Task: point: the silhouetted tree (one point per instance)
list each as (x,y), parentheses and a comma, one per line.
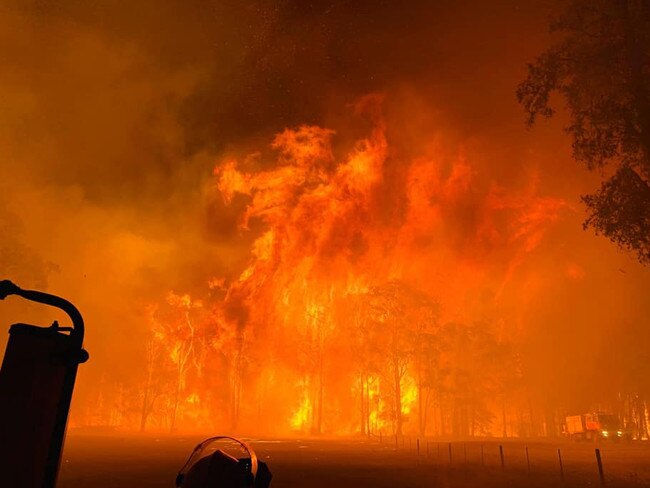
(176,322)
(481,369)
(601,67)
(424,316)
(152,378)
(403,317)
(319,327)
(388,309)
(366,356)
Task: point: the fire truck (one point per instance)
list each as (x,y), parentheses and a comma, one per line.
(593,426)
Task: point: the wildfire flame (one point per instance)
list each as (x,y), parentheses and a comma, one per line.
(360,290)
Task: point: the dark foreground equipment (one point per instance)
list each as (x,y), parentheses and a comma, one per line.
(36,382)
(212,465)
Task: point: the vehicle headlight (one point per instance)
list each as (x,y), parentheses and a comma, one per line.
(620,433)
(605,433)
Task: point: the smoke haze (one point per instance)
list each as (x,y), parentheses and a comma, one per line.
(114,116)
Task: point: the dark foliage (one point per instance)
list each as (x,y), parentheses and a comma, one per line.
(600,66)
(621,211)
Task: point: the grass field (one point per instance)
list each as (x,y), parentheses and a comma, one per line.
(148,462)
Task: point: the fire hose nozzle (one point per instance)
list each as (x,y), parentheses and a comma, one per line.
(7,288)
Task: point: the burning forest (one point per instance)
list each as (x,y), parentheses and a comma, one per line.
(372,300)
(330,220)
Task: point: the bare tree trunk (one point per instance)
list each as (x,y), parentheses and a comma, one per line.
(423,408)
(145,409)
(398,395)
(236,386)
(433,420)
(644,414)
(149,397)
(177,395)
(472,419)
(183,358)
(533,425)
(641,413)
(503,416)
(442,413)
(320,394)
(362,405)
(369,406)
(420,409)
(235,395)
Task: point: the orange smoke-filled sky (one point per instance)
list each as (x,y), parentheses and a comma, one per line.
(114,115)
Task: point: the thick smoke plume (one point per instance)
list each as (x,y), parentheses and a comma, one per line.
(211,183)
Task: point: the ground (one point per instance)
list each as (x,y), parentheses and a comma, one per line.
(152,462)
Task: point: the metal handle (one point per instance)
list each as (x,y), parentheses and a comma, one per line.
(8,288)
